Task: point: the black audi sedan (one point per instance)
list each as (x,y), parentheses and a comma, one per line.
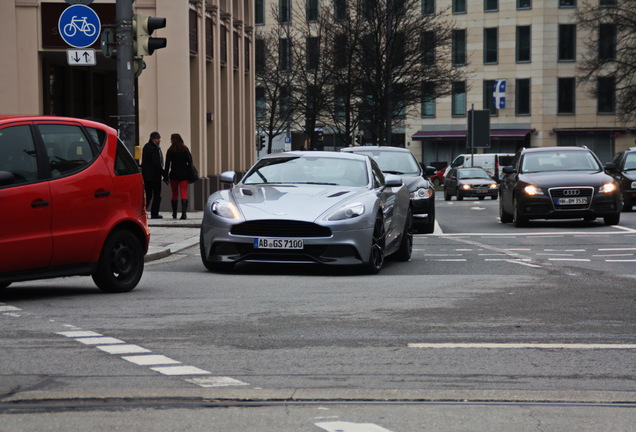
(400,161)
(624,172)
(557,183)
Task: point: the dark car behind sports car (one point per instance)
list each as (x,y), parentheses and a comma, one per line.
(470,182)
(400,161)
(624,172)
(558,183)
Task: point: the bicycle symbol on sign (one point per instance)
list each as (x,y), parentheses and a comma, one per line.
(79,24)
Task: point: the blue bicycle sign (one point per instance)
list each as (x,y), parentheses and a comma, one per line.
(79,26)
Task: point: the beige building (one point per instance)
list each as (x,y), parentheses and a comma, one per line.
(200,86)
(532,45)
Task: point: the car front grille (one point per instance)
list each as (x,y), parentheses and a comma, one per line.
(280,228)
(572,192)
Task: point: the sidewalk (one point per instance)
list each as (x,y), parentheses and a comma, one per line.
(168,236)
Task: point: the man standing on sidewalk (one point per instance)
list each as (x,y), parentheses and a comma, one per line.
(153,173)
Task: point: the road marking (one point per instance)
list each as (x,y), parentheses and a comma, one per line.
(180,370)
(615,249)
(215,381)
(9,308)
(150,359)
(80,333)
(449,260)
(573,346)
(340,426)
(619,261)
(104,340)
(570,259)
(123,349)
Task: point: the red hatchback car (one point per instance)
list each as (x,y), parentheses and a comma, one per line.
(71,203)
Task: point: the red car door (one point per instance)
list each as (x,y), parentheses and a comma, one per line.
(25,204)
(80,193)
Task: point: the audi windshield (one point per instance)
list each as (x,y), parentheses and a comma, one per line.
(560,161)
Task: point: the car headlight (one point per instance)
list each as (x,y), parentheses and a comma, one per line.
(532,190)
(608,188)
(422,193)
(465,186)
(493,186)
(348,211)
(225,209)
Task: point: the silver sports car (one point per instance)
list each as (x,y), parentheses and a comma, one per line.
(308,207)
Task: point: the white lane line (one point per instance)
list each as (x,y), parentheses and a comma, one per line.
(123,349)
(517,249)
(443,255)
(79,333)
(151,359)
(573,346)
(612,255)
(216,381)
(180,370)
(9,308)
(522,261)
(570,259)
(447,260)
(104,340)
(554,254)
(615,249)
(340,426)
(620,261)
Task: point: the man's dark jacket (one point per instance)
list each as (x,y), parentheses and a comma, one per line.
(151,162)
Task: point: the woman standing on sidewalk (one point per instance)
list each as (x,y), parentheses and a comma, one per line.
(179,168)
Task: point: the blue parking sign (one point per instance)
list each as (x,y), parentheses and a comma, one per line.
(79,26)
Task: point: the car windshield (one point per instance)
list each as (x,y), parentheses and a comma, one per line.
(394,162)
(559,161)
(472,173)
(630,162)
(309,170)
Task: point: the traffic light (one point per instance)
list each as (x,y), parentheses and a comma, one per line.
(143,26)
(261,142)
(320,136)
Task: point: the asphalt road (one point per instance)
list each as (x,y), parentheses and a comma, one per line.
(488,328)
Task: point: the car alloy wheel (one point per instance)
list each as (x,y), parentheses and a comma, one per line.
(519,220)
(121,263)
(504,216)
(376,256)
(612,219)
(406,244)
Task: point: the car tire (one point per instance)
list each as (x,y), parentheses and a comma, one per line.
(627,205)
(504,216)
(376,255)
(406,244)
(494,197)
(460,197)
(447,195)
(213,266)
(121,263)
(429,226)
(612,219)
(481,198)
(518,220)
(3,285)
(436,182)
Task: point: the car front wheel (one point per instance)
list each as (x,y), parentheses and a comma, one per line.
(504,216)
(612,219)
(519,220)
(121,263)
(376,255)
(406,244)
(447,194)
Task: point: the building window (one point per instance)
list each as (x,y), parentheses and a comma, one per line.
(260,55)
(340,51)
(608,3)
(312,10)
(566,98)
(567,42)
(339,101)
(607,42)
(340,9)
(606,95)
(491,5)
(283,54)
(236,53)
(261,107)
(259,15)
(524,4)
(459,6)
(522,96)
(428,7)
(524,41)
(428,99)
(428,48)
(488,101)
(285,102)
(491,36)
(223,45)
(459,98)
(284,11)
(567,3)
(312,52)
(459,47)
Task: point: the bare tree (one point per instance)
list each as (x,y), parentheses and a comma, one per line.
(611,51)
(275,74)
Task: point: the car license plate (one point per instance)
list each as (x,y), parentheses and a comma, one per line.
(278,243)
(572,201)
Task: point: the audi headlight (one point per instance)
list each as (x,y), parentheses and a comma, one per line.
(532,190)
(608,188)
(465,186)
(225,209)
(348,211)
(422,193)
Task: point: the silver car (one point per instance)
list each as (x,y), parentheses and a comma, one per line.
(308,207)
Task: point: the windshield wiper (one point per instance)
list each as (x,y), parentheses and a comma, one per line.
(394,172)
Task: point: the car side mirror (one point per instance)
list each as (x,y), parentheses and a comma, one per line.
(429,170)
(392,180)
(228,177)
(509,170)
(6,178)
(610,166)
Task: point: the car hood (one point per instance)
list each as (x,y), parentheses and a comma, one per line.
(566,178)
(476,181)
(298,202)
(629,174)
(413,183)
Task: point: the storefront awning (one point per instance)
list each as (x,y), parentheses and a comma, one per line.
(461,134)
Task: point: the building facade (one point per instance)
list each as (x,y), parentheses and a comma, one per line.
(534,47)
(200,86)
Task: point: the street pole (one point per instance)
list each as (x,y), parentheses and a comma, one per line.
(125,74)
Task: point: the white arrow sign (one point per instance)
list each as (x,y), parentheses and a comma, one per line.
(81,57)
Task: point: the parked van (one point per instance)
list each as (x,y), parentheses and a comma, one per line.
(493,163)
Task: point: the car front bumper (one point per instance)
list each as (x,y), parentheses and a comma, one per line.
(545,207)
